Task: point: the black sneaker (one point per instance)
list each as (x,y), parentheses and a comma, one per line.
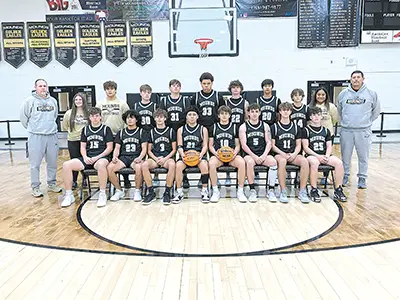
(166,199)
(186,184)
(150,197)
(315,195)
(339,195)
(74,185)
(178,198)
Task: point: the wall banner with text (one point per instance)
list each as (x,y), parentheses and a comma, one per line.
(116,42)
(68,11)
(65,44)
(266,8)
(141,42)
(14,43)
(90,43)
(39,43)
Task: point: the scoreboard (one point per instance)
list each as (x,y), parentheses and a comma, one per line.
(380,21)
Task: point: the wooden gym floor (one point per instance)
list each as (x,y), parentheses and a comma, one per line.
(227,250)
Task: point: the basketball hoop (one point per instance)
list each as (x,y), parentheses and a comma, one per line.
(203,42)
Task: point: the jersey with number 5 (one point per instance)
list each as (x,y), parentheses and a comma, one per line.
(146,114)
(285,136)
(130,141)
(317,138)
(299,116)
(255,137)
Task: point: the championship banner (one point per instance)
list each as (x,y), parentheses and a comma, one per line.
(141,42)
(14,43)
(132,10)
(65,44)
(90,43)
(266,8)
(116,42)
(68,11)
(39,43)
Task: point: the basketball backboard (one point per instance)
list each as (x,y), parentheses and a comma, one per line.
(192,20)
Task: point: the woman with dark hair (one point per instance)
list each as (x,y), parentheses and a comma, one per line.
(74,120)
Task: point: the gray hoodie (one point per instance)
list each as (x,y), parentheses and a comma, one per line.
(358,109)
(39,115)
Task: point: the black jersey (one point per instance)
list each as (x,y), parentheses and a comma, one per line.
(96,139)
(208,106)
(238,107)
(192,137)
(176,111)
(255,137)
(317,138)
(224,135)
(299,116)
(161,140)
(269,109)
(285,136)
(146,113)
(131,141)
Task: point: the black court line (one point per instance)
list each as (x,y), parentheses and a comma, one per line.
(174,254)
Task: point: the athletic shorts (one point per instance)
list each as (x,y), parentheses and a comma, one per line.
(127,160)
(90,167)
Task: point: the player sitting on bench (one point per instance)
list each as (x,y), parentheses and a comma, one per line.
(96,145)
(317,143)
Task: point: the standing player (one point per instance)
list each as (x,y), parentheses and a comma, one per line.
(129,152)
(145,108)
(224,133)
(96,145)
(255,139)
(161,150)
(300,110)
(237,103)
(192,136)
(286,143)
(317,143)
(268,103)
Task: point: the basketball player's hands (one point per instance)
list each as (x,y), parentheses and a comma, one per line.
(161,161)
(137,160)
(324,159)
(87,160)
(259,160)
(114,159)
(291,157)
(320,158)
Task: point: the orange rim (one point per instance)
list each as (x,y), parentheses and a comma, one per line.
(203,42)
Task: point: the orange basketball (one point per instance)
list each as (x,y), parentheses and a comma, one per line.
(191,158)
(225,154)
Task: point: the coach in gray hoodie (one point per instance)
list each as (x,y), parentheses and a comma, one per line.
(358,107)
(39,115)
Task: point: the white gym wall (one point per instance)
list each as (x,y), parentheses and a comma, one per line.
(268,49)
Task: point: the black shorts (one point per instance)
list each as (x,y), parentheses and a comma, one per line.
(127,160)
(90,167)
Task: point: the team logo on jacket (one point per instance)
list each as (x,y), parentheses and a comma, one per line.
(356,101)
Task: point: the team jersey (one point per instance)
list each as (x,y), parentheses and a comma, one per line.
(146,113)
(299,116)
(96,139)
(285,136)
(238,107)
(130,141)
(224,135)
(176,111)
(208,105)
(317,138)
(255,137)
(192,137)
(269,109)
(161,140)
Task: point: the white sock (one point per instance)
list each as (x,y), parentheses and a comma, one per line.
(102,191)
(240,189)
(272,174)
(204,189)
(180,191)
(68,192)
(215,188)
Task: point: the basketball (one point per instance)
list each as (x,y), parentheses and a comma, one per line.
(225,154)
(191,158)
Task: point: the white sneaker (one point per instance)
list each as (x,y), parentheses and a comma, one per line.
(119,194)
(178,198)
(68,200)
(283,197)
(272,196)
(241,196)
(137,196)
(102,200)
(253,196)
(204,196)
(215,196)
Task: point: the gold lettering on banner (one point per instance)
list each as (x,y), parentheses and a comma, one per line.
(140,31)
(39,33)
(64,33)
(90,32)
(13,34)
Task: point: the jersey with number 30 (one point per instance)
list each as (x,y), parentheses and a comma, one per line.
(130,141)
(96,139)
(285,136)
(146,114)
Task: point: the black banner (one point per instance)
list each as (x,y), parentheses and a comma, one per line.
(39,43)
(313,24)
(132,10)
(14,43)
(116,42)
(344,23)
(65,44)
(266,8)
(90,43)
(141,42)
